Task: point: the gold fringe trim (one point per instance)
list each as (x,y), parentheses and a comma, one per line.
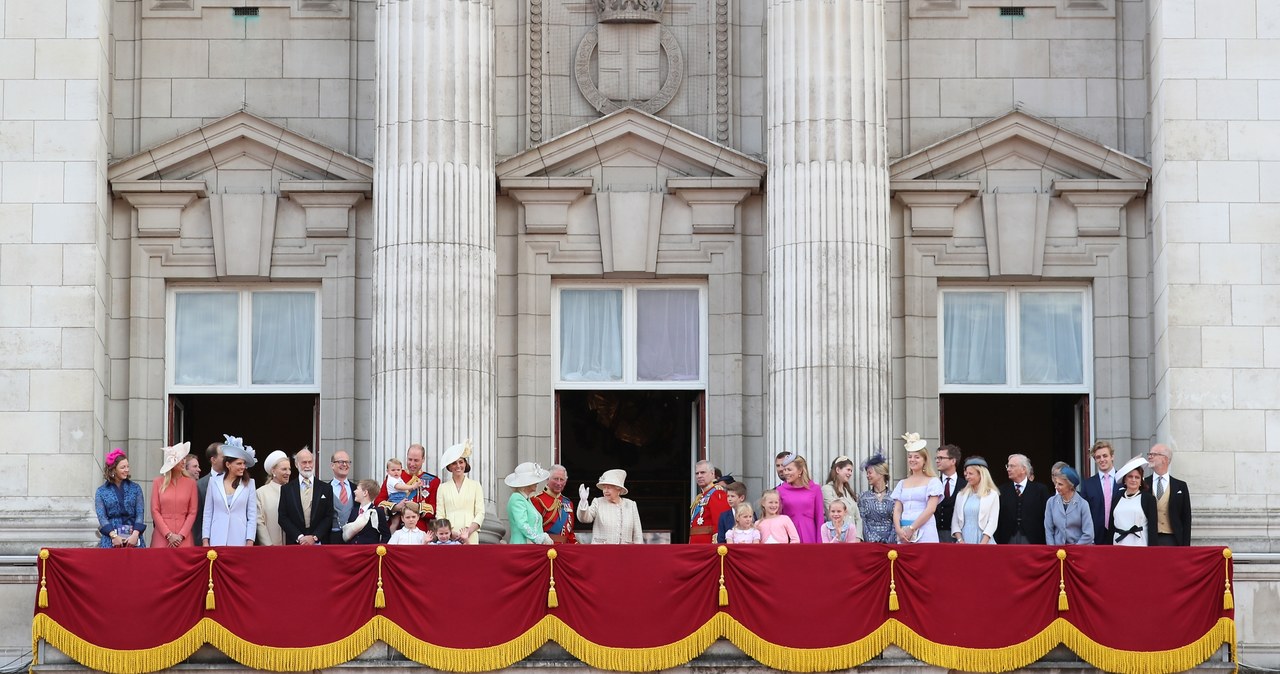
(723,596)
(42,599)
(551,628)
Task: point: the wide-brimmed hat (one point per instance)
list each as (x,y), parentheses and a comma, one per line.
(272,459)
(174,456)
(911,442)
(526,474)
(234,448)
(455,452)
(1134,463)
(614,478)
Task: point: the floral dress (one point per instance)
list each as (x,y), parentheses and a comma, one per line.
(119,509)
(877,517)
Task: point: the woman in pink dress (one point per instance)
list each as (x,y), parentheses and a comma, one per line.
(173,501)
(802,499)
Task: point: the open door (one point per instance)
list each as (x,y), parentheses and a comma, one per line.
(1084,463)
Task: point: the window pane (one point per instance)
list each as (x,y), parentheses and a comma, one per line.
(1051,338)
(973,338)
(205,338)
(667,341)
(591,335)
(284,338)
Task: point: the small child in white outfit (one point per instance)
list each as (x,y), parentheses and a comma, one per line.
(409,534)
(744,526)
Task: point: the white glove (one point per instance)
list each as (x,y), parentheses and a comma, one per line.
(583,493)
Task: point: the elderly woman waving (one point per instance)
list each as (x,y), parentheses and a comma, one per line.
(526,522)
(616,519)
(1066,516)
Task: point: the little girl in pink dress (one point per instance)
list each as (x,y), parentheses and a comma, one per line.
(744,530)
(773,527)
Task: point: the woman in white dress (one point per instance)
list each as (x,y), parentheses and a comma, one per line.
(616,519)
(917,495)
(459,498)
(231,505)
(1133,513)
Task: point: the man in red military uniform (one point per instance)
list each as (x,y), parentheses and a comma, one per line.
(556,508)
(712,500)
(424,486)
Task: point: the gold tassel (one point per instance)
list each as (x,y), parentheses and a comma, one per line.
(1062,582)
(724,592)
(380,597)
(893,587)
(43,600)
(552,600)
(209,603)
(1228,603)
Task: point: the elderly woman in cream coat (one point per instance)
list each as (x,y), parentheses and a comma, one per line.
(616,518)
(278,471)
(977,510)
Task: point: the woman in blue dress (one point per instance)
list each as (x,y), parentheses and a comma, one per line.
(231,506)
(916,496)
(874,504)
(119,505)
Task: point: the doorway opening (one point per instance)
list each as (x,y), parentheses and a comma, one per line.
(1047,428)
(654,435)
(266,421)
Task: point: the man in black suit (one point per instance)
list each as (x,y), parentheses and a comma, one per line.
(344,494)
(1173,500)
(947,459)
(306,504)
(214,453)
(1101,490)
(1022,502)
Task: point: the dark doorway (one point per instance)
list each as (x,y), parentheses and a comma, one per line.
(267,422)
(1047,428)
(649,434)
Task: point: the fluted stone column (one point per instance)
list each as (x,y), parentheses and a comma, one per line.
(828,233)
(434,262)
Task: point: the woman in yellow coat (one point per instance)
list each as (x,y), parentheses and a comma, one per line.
(459,498)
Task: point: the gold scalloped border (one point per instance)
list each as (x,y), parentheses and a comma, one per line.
(551,628)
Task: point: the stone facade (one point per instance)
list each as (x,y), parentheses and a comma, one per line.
(435,170)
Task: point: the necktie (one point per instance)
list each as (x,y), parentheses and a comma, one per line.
(946,489)
(1018,488)
(306,503)
(1159,487)
(342,495)
(1106,500)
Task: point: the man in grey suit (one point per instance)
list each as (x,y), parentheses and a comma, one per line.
(214,452)
(343,494)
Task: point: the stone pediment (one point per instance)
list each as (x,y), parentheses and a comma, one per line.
(630,138)
(240,141)
(1018,141)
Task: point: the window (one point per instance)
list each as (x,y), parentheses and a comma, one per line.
(1014,339)
(244,340)
(632,336)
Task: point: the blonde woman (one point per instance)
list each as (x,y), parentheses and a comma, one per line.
(917,495)
(875,505)
(459,498)
(977,511)
(173,501)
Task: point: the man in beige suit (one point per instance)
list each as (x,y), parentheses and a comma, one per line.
(269,531)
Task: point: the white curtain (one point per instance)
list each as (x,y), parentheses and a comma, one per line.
(284,338)
(206,335)
(667,340)
(1051,342)
(973,339)
(591,335)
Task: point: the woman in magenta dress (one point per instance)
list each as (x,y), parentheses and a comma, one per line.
(801,499)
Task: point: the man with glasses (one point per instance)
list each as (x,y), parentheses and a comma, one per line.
(1022,502)
(343,494)
(1173,500)
(946,459)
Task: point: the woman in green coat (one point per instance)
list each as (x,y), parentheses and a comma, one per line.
(526,523)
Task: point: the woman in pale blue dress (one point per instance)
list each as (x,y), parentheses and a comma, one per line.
(977,511)
(916,496)
(231,505)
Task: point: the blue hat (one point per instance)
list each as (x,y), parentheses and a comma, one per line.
(1071,474)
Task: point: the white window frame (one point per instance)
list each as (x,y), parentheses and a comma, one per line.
(244,351)
(629,381)
(1012,344)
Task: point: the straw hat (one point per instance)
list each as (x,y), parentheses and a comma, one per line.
(174,456)
(614,478)
(912,442)
(455,452)
(526,474)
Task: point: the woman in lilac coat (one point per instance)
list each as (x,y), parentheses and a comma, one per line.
(801,498)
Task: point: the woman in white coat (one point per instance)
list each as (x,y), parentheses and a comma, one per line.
(977,510)
(616,519)
(231,505)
